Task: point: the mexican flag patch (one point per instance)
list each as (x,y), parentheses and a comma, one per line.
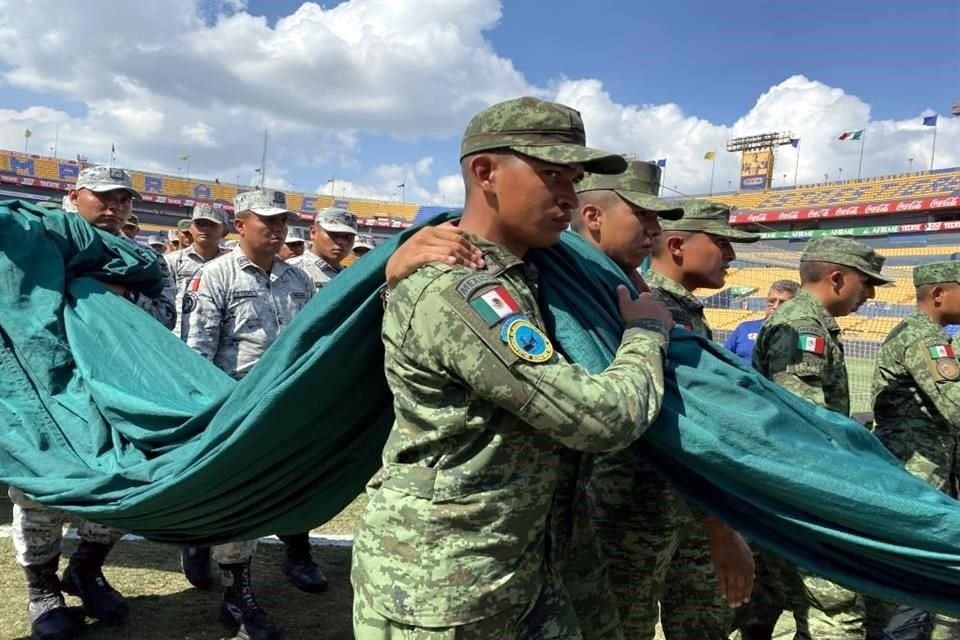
(811,344)
(941,351)
(495,305)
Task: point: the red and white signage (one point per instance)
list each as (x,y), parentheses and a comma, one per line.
(880,208)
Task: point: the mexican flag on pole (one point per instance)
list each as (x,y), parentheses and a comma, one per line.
(851,135)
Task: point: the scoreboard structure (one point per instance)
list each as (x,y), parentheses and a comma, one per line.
(757,158)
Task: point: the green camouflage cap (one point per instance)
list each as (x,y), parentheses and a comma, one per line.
(336,220)
(103,179)
(263,202)
(849,253)
(707,217)
(543,130)
(183,225)
(638,185)
(132,221)
(936,272)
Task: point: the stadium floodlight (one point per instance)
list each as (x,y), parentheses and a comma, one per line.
(762,141)
(955,109)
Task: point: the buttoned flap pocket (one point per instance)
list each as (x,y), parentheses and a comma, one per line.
(412,480)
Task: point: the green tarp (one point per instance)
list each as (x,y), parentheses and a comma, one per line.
(105,413)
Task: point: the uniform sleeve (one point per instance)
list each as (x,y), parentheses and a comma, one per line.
(163,306)
(937,375)
(783,361)
(601,412)
(203,309)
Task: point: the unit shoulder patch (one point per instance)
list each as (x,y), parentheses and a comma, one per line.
(526,341)
(189,303)
(811,343)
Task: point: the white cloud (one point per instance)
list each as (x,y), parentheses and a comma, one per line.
(811,110)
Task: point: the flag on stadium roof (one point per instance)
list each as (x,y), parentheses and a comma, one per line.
(930,121)
(710,155)
(662,163)
(851,135)
(795,142)
(27,133)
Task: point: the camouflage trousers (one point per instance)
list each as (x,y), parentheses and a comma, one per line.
(233,552)
(656,552)
(549,616)
(38,530)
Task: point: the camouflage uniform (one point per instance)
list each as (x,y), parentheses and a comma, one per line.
(457,540)
(799,349)
(916,402)
(333,220)
(654,543)
(233,311)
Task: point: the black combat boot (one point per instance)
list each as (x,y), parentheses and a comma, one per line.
(84,578)
(758,631)
(50,617)
(195,564)
(299,567)
(239,607)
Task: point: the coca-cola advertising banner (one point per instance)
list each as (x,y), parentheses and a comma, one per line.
(898,206)
(382,223)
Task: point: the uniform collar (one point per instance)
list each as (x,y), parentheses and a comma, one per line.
(190,251)
(674,288)
(276,269)
(321,263)
(807,300)
(922,317)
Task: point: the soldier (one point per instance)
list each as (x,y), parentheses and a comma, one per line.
(131,227)
(364,244)
(208,227)
(799,349)
(103,197)
(234,308)
(455,540)
(158,244)
(916,393)
(293,245)
(182,234)
(742,339)
(658,548)
(331,238)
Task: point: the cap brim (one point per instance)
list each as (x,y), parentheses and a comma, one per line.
(733,235)
(593,160)
(273,211)
(112,187)
(875,279)
(336,228)
(649,202)
(211,219)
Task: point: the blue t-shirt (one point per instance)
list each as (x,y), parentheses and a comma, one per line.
(742,339)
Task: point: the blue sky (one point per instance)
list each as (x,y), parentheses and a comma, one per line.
(383,89)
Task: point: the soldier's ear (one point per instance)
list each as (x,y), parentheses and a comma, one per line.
(591,217)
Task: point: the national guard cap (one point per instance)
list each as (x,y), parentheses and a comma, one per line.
(936,273)
(638,185)
(295,234)
(206,211)
(132,221)
(156,241)
(183,225)
(336,220)
(103,179)
(263,202)
(543,130)
(849,253)
(365,241)
(708,217)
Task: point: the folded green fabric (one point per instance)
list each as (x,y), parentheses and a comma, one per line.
(105,413)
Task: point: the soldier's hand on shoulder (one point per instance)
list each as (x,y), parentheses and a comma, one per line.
(644,307)
(444,243)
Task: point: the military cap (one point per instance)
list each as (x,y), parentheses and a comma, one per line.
(936,272)
(67,205)
(183,225)
(295,234)
(365,241)
(206,211)
(132,221)
(849,253)
(263,202)
(543,130)
(638,185)
(707,217)
(103,179)
(336,220)
(156,241)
